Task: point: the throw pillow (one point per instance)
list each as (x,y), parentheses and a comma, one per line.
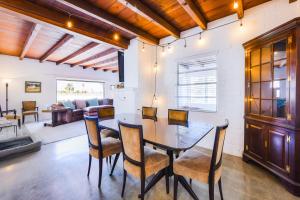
(69,104)
(80,104)
(93,102)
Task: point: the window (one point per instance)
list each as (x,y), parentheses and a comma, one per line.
(197,84)
(75,89)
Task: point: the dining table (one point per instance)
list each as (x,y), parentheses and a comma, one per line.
(171,136)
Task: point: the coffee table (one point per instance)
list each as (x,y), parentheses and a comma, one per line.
(58,116)
(4,123)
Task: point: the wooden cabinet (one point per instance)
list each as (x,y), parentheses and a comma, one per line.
(272,111)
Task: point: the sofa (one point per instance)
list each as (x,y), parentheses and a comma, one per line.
(78,108)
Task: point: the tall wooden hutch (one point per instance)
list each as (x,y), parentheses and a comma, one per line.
(272,103)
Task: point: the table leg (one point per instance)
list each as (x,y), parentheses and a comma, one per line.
(171,159)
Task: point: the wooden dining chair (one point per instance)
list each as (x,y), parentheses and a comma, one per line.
(178,115)
(30,108)
(140,161)
(195,165)
(99,147)
(106,113)
(149,113)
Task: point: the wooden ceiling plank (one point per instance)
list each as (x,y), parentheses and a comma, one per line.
(96,56)
(78,52)
(102,15)
(240,9)
(64,40)
(108,60)
(42,15)
(145,11)
(192,10)
(30,38)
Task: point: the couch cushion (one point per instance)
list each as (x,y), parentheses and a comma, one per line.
(68,104)
(93,102)
(80,104)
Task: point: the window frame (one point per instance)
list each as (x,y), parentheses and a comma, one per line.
(203,59)
(80,80)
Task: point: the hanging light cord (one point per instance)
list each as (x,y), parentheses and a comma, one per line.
(155,79)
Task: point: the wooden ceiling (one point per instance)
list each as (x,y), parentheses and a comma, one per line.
(37,28)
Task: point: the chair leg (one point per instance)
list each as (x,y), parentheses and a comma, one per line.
(191,181)
(175,186)
(90,162)
(167,181)
(211,191)
(124,182)
(23,119)
(114,165)
(110,160)
(142,186)
(220,188)
(37,115)
(188,188)
(34,117)
(19,123)
(100,172)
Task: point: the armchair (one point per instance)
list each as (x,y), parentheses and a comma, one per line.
(30,108)
(10,115)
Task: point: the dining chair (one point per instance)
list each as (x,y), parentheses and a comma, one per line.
(100,147)
(10,115)
(175,115)
(178,117)
(149,113)
(30,108)
(195,165)
(139,160)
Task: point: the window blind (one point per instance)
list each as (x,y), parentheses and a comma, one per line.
(197,84)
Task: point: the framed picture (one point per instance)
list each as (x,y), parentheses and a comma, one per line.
(33,87)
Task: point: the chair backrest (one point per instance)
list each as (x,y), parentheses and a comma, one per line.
(178,115)
(106,113)
(28,105)
(131,137)
(216,160)
(91,123)
(1,114)
(149,113)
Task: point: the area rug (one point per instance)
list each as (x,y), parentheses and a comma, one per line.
(54,134)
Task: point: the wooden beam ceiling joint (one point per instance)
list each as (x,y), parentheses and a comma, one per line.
(148,13)
(63,41)
(30,38)
(194,12)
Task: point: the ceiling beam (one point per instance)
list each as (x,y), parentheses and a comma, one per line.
(42,15)
(102,15)
(240,9)
(144,10)
(77,53)
(112,66)
(30,38)
(64,40)
(108,60)
(192,10)
(96,56)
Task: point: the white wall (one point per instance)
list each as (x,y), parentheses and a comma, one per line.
(226,43)
(47,73)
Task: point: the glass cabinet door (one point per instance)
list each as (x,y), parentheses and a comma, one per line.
(269,80)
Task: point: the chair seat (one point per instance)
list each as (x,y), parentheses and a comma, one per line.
(31,112)
(195,165)
(108,133)
(154,162)
(110,147)
(10,117)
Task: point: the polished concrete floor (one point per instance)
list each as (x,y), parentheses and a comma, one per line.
(58,172)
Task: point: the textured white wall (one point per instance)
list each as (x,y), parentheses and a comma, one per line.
(47,73)
(226,43)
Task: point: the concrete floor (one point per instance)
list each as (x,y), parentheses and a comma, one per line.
(58,172)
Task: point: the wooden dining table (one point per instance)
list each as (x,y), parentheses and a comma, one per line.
(168,135)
